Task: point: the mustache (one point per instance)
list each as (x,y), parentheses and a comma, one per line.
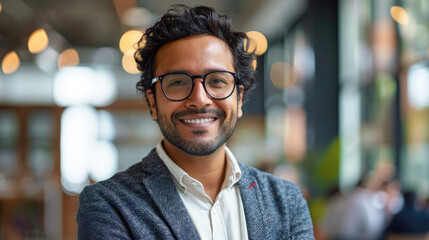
(216,112)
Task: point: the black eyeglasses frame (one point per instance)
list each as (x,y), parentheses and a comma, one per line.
(193,77)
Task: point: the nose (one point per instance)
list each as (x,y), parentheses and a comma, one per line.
(199,97)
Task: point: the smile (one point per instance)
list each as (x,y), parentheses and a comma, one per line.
(197,121)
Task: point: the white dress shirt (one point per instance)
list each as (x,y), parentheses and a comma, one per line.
(222,219)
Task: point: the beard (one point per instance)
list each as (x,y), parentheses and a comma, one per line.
(171,133)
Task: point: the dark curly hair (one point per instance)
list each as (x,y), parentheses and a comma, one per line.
(181,21)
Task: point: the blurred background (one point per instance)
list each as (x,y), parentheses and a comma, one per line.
(341,105)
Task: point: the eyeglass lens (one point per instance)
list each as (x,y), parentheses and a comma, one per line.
(178,86)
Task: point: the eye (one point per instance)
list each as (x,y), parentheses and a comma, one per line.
(217,81)
(175,82)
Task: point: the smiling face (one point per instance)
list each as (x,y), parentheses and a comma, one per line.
(198,125)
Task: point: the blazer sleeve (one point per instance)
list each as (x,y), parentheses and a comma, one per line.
(301,226)
(97,217)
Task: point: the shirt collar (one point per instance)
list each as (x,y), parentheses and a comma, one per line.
(232,175)
(233,171)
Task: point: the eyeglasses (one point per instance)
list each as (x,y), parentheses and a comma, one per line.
(178,86)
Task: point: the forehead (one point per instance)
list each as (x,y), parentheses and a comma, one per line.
(196,54)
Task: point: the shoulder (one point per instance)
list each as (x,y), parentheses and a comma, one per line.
(122,206)
(125,182)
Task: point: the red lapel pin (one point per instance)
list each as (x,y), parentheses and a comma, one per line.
(251,185)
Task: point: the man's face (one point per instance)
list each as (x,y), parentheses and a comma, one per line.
(198,125)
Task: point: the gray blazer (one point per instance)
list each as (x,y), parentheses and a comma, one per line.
(143,203)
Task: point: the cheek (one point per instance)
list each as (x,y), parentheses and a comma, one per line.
(230,108)
(161,104)
(167,108)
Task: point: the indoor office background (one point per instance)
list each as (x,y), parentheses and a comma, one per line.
(342,95)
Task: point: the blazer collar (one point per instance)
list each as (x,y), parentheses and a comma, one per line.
(253,205)
(165,196)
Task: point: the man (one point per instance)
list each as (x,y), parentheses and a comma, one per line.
(195,73)
(356,215)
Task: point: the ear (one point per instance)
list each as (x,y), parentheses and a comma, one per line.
(240,101)
(152,103)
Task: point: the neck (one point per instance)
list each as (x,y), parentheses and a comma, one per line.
(209,169)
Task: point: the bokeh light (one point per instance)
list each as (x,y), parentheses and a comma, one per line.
(282,75)
(83,153)
(68,57)
(417,85)
(38,41)
(400,15)
(1,7)
(83,85)
(79,128)
(258,42)
(128,62)
(129,40)
(10,62)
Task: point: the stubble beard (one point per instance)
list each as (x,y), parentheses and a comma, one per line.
(171,133)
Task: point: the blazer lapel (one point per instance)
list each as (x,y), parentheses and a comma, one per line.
(253,207)
(164,193)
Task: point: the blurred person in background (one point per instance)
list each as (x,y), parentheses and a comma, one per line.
(196,73)
(411,221)
(356,215)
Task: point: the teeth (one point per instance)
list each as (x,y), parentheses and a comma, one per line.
(197,121)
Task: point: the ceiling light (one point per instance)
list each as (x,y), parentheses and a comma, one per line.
(68,57)
(38,41)
(10,63)
(400,15)
(129,40)
(129,63)
(258,42)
